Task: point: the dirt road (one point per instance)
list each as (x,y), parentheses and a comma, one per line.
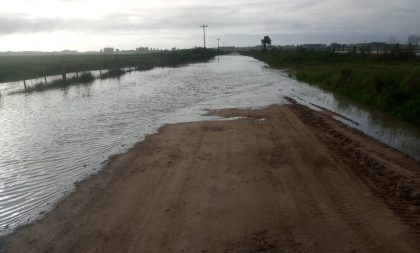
(284,179)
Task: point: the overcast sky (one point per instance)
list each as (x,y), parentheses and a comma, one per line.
(83,25)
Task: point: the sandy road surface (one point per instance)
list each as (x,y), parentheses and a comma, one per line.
(285,179)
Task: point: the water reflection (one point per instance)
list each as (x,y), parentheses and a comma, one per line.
(51,139)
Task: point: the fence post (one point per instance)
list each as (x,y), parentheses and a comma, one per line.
(63,71)
(45,79)
(24,84)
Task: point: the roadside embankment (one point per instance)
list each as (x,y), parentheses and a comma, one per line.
(21,68)
(279,179)
(390,85)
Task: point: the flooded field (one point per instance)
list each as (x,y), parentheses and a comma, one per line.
(53,139)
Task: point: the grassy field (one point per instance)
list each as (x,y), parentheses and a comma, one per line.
(15,68)
(84,78)
(389,84)
(26,67)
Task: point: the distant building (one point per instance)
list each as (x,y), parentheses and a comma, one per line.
(378,44)
(142,49)
(108,50)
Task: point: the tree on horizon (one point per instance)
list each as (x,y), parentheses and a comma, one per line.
(412,42)
(266,41)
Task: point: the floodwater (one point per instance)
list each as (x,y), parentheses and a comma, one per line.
(50,140)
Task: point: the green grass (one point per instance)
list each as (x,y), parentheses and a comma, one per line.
(39,66)
(16,68)
(112,73)
(388,84)
(84,78)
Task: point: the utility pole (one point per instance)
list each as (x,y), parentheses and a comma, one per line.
(204,32)
(218,41)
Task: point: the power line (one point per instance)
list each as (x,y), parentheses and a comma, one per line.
(204,32)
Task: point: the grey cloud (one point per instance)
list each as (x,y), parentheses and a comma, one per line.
(304,20)
(12,23)
(183,18)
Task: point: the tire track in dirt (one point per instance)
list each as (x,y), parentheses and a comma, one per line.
(397,191)
(311,177)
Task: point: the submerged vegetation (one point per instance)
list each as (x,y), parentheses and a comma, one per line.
(112,73)
(390,84)
(84,78)
(16,68)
